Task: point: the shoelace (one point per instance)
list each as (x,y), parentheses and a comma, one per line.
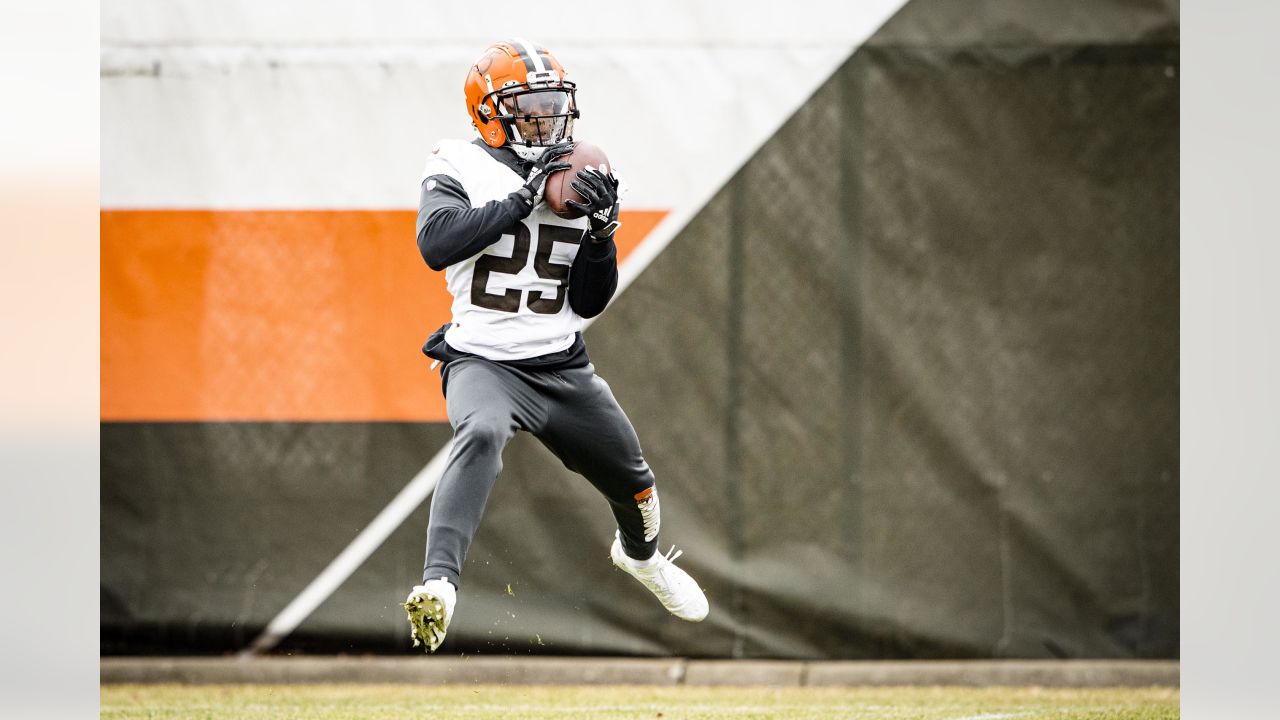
(666,588)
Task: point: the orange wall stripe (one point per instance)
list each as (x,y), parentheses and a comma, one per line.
(274,315)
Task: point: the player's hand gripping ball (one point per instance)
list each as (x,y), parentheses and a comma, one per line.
(559,191)
(550,164)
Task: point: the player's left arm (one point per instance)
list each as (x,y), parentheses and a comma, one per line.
(593,278)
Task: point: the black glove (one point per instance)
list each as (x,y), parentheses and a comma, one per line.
(601,208)
(544,166)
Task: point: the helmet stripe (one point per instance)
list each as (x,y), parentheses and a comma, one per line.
(530,53)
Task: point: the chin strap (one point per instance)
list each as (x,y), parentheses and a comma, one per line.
(528,153)
(531,153)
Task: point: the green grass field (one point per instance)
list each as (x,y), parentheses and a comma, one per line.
(510,702)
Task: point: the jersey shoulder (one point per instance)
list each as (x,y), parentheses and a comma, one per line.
(458,159)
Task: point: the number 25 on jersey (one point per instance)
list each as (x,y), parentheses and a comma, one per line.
(543,264)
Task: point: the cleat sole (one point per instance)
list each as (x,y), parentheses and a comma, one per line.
(426,620)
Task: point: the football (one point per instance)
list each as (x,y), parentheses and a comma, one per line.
(559,187)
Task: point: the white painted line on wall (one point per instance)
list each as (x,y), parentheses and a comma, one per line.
(354,555)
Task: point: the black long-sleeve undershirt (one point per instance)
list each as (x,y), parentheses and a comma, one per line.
(593,278)
(450,231)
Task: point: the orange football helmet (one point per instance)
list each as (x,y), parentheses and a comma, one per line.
(517,94)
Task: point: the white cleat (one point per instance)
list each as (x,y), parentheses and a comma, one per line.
(430,607)
(678,592)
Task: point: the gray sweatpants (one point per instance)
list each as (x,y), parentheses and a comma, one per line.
(573,413)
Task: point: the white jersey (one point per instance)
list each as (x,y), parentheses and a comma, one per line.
(510,300)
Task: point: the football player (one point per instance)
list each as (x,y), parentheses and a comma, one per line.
(512,358)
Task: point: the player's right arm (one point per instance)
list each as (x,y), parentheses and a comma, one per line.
(450,230)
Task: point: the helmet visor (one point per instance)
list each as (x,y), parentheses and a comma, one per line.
(538,102)
(541,116)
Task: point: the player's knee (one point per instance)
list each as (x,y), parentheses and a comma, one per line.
(483,435)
